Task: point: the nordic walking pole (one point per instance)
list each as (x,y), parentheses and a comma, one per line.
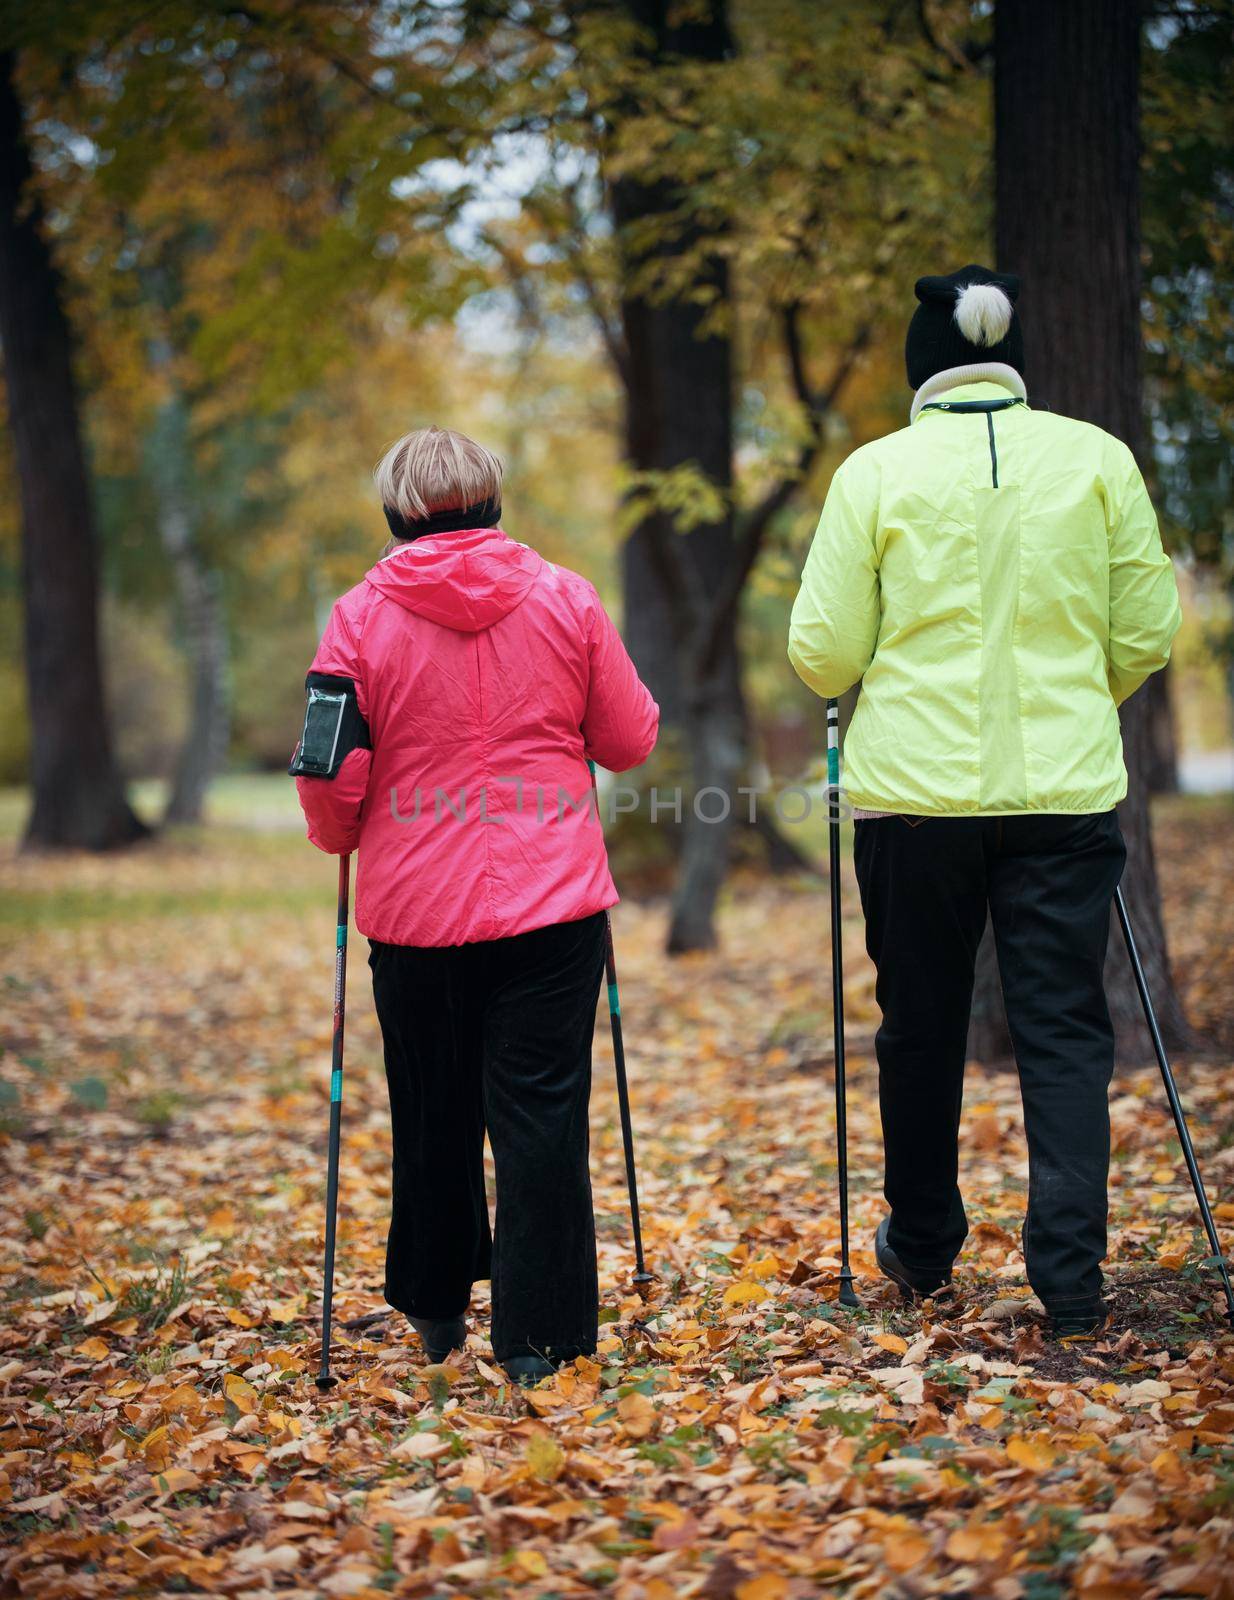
(325,1379)
(848,1295)
(641,1275)
(1176,1105)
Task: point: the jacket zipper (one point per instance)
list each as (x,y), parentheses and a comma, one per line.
(989,407)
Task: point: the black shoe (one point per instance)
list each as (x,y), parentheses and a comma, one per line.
(1085,1323)
(912,1284)
(527,1371)
(439,1338)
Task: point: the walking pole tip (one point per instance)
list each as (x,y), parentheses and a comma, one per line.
(1218,1258)
(325,1381)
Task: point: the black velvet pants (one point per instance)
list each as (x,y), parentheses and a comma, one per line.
(1048,881)
(497,1037)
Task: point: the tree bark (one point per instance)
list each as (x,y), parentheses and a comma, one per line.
(1162,772)
(1229,678)
(679,412)
(1066,99)
(203,623)
(78,796)
(674,354)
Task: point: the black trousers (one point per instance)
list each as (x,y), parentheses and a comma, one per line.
(494,1036)
(1047,881)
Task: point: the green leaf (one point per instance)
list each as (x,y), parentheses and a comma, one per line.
(90,1093)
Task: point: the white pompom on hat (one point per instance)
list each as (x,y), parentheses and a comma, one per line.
(983,313)
(964,317)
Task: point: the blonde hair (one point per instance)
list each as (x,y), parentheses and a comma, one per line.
(436,469)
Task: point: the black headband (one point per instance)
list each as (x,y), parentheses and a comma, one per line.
(484,514)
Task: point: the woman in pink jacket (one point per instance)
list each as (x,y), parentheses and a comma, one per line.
(479,679)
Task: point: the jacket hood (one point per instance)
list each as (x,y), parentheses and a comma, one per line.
(466,581)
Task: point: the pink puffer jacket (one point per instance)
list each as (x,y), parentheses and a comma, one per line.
(488,677)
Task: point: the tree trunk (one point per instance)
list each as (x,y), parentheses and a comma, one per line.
(78,795)
(717,739)
(1162,771)
(1066,98)
(679,412)
(204,629)
(1229,677)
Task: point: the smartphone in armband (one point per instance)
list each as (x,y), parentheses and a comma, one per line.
(333,727)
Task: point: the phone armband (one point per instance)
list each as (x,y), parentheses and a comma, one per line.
(333,727)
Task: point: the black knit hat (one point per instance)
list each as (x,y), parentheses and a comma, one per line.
(954,329)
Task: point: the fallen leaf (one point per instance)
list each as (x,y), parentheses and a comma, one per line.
(545,1457)
(1034,1454)
(420,1447)
(977,1543)
(745,1294)
(1147,1390)
(676,1533)
(175,1480)
(766,1586)
(903,1551)
(637,1415)
(241,1394)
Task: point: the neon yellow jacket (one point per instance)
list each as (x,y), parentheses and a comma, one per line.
(995,629)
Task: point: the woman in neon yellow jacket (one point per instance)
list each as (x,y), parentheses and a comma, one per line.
(994,577)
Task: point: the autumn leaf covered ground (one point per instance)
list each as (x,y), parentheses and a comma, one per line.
(163,1086)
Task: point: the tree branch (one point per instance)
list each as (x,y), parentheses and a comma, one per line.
(755,523)
(274,29)
(960,59)
(571,240)
(530,312)
(680,581)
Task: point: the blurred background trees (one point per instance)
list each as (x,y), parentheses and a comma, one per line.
(77,795)
(659,255)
